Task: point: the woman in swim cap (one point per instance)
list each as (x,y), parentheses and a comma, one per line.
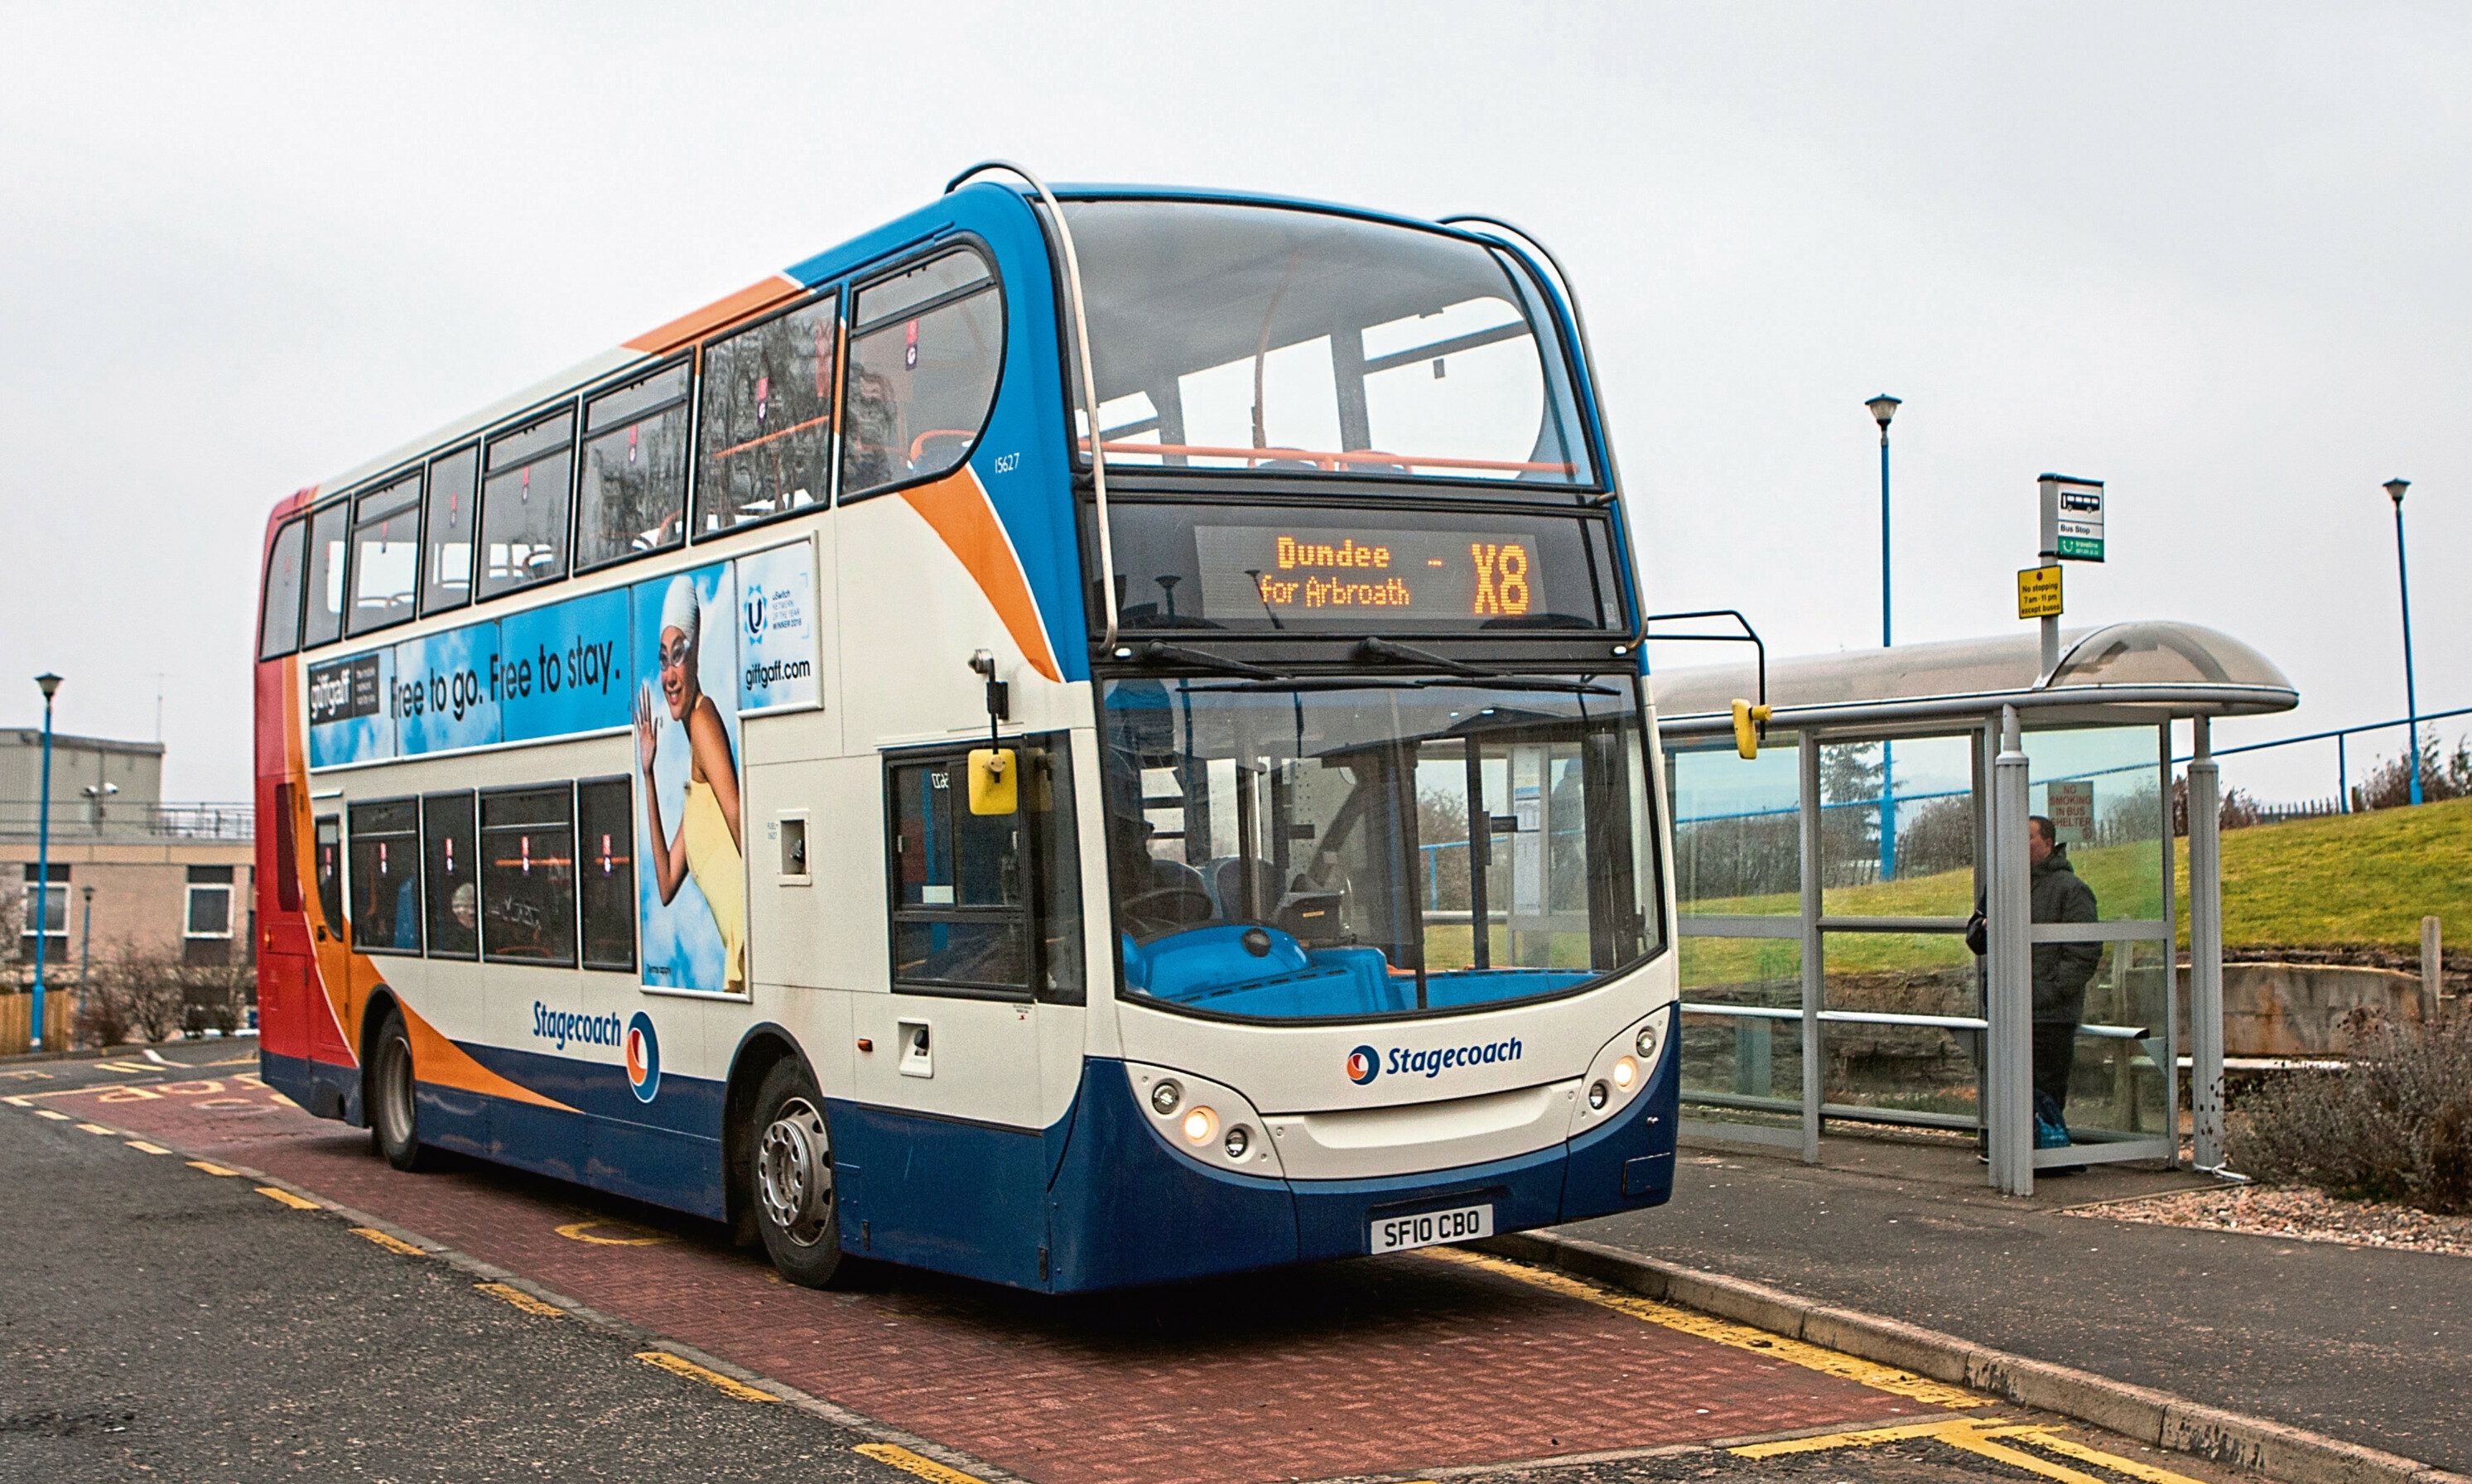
(708,842)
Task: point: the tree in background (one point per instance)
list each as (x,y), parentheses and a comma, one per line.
(2388,785)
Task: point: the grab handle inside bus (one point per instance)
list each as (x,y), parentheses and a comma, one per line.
(995,781)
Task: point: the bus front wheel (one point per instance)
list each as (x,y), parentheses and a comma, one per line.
(792,1175)
(395,1108)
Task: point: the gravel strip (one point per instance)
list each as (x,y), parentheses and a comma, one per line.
(2296,1213)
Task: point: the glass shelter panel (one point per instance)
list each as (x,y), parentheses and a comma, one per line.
(1730,1056)
(2101,790)
(2116,1084)
(1737,827)
(1907,1068)
(1928,787)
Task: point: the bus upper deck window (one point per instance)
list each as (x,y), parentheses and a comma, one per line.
(446,551)
(279,630)
(524,504)
(385,555)
(322,622)
(925,349)
(766,433)
(633,495)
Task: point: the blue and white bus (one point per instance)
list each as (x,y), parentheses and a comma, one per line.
(1080,738)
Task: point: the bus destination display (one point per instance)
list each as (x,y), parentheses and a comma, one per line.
(1317,576)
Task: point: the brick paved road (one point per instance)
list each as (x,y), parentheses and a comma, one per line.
(1393,1366)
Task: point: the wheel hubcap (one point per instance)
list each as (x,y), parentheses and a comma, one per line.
(793,1173)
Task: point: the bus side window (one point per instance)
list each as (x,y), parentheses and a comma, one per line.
(330,871)
(279,630)
(606,882)
(447,552)
(322,622)
(527,877)
(923,358)
(449,868)
(986,901)
(386,876)
(524,504)
(632,497)
(385,555)
(766,436)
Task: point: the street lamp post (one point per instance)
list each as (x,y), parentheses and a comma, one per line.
(2402,584)
(50,684)
(1883,408)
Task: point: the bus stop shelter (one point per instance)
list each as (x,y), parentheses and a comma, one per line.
(1825,888)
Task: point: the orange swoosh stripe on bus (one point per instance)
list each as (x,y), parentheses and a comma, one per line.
(447,1064)
(957,507)
(754,299)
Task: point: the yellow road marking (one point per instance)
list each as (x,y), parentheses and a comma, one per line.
(582,1231)
(122,1067)
(683,1366)
(2049,1438)
(389,1243)
(49,1112)
(211,1169)
(908,1462)
(1865,1437)
(24,1074)
(296,1203)
(143,1147)
(508,1293)
(1829,1362)
(96,1128)
(15,1102)
(1968,1440)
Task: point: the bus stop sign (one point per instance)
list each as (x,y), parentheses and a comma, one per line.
(2072,518)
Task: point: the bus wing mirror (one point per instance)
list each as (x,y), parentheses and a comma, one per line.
(1751,725)
(996,780)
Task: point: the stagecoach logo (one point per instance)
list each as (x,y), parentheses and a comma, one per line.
(754,607)
(1365,1064)
(643,1057)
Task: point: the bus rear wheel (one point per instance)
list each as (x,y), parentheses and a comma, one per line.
(394,1106)
(792,1174)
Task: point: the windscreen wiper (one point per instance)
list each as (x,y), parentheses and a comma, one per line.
(1155,653)
(1371,647)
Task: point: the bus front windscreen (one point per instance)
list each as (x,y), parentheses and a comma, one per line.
(1281,850)
(1287,340)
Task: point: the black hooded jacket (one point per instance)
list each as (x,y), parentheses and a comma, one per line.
(2062,970)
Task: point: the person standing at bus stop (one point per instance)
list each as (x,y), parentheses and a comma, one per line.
(709,843)
(2062,970)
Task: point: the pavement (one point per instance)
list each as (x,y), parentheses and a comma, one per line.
(205,1282)
(2371,1346)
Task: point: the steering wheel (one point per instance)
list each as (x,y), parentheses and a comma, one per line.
(1171,904)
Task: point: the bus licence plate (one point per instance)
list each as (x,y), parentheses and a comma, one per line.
(1427,1229)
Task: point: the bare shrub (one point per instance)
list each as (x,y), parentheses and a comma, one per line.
(2388,785)
(215,998)
(1937,836)
(131,992)
(2395,1125)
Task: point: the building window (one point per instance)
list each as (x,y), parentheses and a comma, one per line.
(47,913)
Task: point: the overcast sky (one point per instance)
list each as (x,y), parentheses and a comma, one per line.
(2215,255)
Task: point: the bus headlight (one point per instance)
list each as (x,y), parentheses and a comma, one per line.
(1597,1095)
(1238,1142)
(1625,1073)
(1201,1124)
(1647,1042)
(1166,1095)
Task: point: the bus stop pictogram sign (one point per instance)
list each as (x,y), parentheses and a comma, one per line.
(2038,592)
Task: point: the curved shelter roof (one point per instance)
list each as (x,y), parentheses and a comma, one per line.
(2142,672)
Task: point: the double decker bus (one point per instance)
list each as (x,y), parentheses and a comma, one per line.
(1077,739)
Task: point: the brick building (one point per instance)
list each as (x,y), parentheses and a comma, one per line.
(169,880)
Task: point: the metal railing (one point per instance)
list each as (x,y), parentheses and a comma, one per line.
(76,819)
